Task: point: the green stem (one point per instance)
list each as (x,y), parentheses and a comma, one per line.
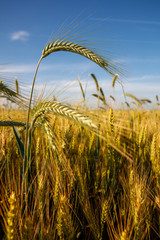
(27,123)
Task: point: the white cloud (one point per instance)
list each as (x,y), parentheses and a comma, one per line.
(20,36)
(30,68)
(19,68)
(151,78)
(141,87)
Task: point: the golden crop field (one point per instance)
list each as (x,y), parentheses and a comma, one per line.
(70,172)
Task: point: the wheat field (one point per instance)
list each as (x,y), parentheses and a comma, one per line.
(71,172)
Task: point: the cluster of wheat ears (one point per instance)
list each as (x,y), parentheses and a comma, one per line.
(72,173)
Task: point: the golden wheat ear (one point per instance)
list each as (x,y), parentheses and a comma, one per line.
(11,218)
(61,45)
(61,110)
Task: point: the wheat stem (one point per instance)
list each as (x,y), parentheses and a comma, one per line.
(27,125)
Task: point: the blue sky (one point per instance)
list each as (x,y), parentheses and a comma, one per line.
(131,32)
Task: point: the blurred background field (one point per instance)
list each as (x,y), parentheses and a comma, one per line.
(83,184)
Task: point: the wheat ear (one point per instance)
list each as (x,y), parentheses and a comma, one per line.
(6,90)
(11,218)
(114,80)
(62,110)
(13,96)
(133,97)
(61,45)
(96,82)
